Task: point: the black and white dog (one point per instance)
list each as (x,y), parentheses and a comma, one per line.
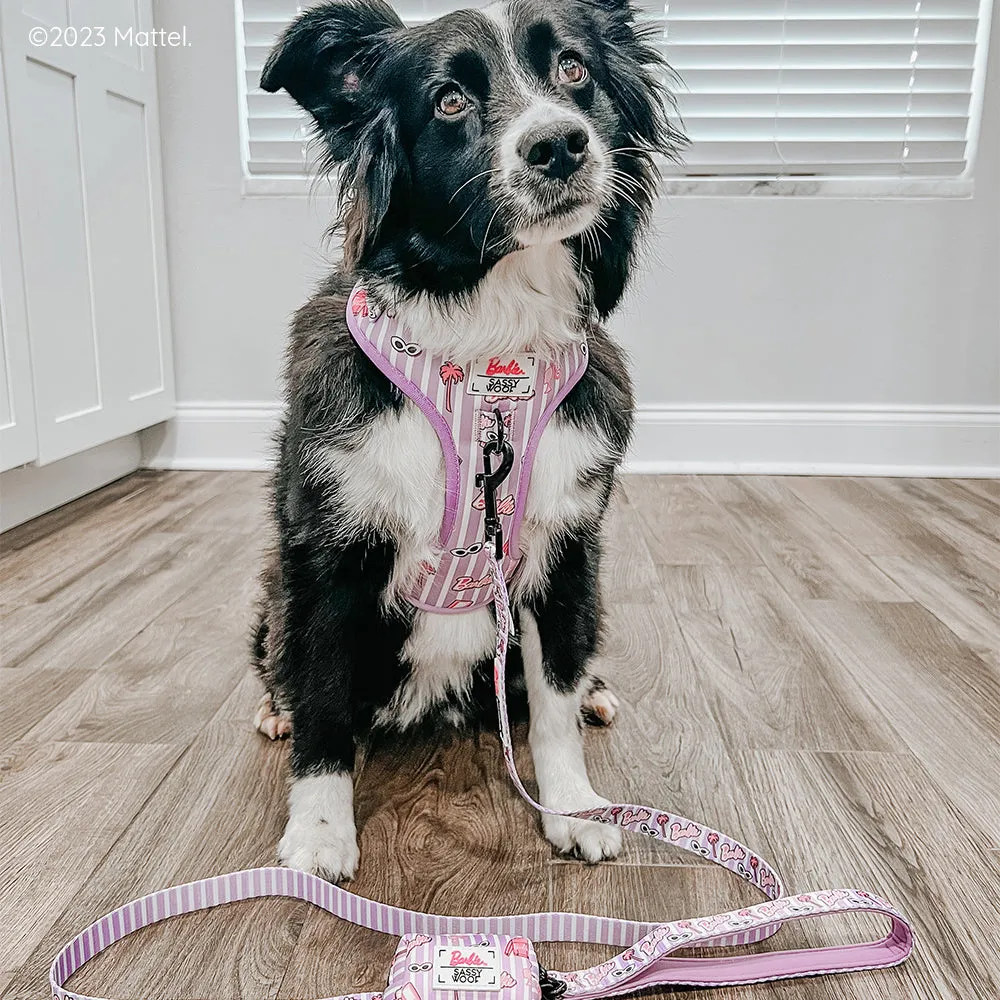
(497,173)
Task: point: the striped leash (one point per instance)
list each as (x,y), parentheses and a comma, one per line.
(648,957)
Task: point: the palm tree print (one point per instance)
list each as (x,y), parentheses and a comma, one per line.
(450,374)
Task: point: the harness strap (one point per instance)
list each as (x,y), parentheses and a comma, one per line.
(456,396)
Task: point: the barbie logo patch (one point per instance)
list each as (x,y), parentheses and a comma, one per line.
(475,968)
(503,376)
(436,968)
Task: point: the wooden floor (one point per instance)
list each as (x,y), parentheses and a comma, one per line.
(812,665)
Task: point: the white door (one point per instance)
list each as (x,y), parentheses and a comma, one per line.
(85,139)
(18,444)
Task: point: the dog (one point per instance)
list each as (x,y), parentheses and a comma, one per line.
(497,173)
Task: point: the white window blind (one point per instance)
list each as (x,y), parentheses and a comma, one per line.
(769,88)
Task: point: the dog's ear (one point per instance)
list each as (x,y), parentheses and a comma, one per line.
(636,80)
(325,59)
(370,173)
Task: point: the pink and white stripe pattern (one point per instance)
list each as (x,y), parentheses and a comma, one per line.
(459,580)
(646,962)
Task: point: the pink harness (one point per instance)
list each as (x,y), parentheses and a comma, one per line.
(440,956)
(461,397)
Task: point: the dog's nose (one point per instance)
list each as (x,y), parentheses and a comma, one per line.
(556,149)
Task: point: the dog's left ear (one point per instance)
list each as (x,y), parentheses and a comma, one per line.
(325,60)
(636,81)
(328,60)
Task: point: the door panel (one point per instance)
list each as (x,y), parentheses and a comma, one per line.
(55,245)
(85,138)
(124,245)
(121,14)
(51,12)
(18,441)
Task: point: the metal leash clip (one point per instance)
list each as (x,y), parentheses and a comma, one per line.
(491,480)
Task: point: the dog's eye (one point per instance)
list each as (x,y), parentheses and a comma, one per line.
(452,102)
(571,68)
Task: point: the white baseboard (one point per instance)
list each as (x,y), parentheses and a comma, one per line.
(214,436)
(844,440)
(32,490)
(778,440)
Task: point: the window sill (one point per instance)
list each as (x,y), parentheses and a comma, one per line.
(288,186)
(819,187)
(699,187)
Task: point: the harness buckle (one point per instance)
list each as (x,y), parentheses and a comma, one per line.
(492,479)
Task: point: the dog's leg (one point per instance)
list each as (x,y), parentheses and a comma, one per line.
(320,836)
(558,637)
(272,718)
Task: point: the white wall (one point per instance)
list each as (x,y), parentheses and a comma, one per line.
(767,333)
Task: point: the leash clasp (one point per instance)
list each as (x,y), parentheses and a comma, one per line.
(492,479)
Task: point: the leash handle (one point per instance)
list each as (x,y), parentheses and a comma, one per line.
(647,963)
(649,955)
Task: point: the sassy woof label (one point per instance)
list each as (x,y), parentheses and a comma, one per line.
(464,968)
(503,375)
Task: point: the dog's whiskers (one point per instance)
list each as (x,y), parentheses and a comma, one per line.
(631,149)
(482,252)
(626,178)
(470,180)
(624,195)
(472,205)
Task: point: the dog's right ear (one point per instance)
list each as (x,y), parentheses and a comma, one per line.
(324,59)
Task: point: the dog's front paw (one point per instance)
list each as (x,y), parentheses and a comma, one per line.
(322,848)
(582,838)
(320,836)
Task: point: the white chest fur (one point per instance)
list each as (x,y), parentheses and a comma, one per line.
(530,299)
(393,478)
(387,480)
(395,482)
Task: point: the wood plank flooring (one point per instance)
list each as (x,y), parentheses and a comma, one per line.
(811,664)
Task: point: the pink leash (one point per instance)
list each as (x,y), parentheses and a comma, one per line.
(506,953)
(646,960)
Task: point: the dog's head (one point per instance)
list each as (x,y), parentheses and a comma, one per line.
(482,132)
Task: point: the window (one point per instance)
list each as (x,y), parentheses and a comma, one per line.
(769,88)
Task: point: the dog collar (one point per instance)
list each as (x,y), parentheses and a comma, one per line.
(463,398)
